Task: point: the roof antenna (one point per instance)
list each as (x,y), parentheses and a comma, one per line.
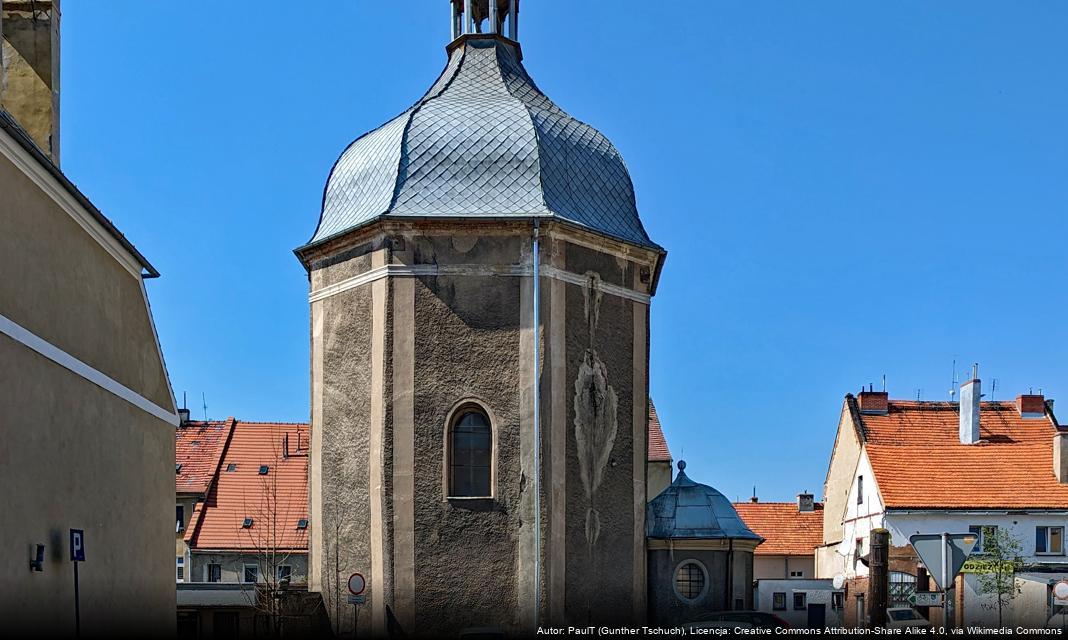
(953,385)
(884,383)
(204,400)
(184,404)
(919,394)
(993,388)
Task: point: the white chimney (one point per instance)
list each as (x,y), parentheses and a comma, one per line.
(1060,457)
(970,393)
(805,502)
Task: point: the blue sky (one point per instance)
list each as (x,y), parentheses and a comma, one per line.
(845,190)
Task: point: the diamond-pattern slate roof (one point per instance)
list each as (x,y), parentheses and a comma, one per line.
(483,142)
(786,531)
(690,510)
(919,461)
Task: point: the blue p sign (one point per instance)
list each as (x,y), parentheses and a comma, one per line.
(77,545)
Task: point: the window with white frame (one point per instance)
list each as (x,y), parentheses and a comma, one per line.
(1049,541)
(179,569)
(251,574)
(797,574)
(179,517)
(778,601)
(284,572)
(837,600)
(986,533)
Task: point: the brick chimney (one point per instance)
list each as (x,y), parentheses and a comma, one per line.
(873,402)
(1060,457)
(1031,406)
(806,502)
(970,395)
(29,69)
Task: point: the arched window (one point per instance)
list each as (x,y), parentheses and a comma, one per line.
(470,455)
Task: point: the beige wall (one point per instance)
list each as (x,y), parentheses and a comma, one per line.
(233,565)
(658,478)
(76,455)
(29,82)
(779,567)
(843,464)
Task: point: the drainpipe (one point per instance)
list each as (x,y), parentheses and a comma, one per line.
(537,420)
(729,605)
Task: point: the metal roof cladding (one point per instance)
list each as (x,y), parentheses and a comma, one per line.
(691,510)
(484,142)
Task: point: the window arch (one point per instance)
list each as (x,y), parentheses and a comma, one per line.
(470,453)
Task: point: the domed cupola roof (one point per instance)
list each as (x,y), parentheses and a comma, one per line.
(690,510)
(483,143)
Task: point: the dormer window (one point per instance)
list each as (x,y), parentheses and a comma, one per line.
(247,524)
(302,523)
(263,469)
(232,467)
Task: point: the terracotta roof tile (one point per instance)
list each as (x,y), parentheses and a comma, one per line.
(275,501)
(919,462)
(658,447)
(198,447)
(786,531)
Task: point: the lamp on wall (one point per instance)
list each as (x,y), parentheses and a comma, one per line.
(37,561)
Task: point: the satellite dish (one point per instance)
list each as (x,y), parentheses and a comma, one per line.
(1060,590)
(838,582)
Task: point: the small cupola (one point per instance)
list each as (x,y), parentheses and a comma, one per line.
(493,17)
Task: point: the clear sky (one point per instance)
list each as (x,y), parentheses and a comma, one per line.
(846,190)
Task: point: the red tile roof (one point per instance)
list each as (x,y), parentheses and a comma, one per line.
(198,447)
(786,531)
(658,448)
(919,462)
(275,501)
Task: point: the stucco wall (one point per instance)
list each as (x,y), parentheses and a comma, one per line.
(817,592)
(840,472)
(774,567)
(666,608)
(659,478)
(76,456)
(233,565)
(29,82)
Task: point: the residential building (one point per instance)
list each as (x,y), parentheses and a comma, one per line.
(245,541)
(86,403)
(791,532)
(958,467)
(480,283)
(784,566)
(658,473)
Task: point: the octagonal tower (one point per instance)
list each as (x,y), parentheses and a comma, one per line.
(480,287)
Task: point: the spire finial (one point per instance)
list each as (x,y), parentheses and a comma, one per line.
(485,16)
(682,465)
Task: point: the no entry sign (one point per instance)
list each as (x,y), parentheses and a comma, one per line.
(357,584)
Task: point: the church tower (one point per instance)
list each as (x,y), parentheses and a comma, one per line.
(480,285)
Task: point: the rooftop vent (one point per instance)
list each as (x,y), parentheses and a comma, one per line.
(806,502)
(247,524)
(230,468)
(302,523)
(263,469)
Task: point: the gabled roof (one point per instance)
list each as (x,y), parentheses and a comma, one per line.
(786,531)
(275,500)
(198,447)
(920,463)
(658,447)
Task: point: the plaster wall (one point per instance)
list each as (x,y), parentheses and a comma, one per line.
(659,478)
(667,608)
(61,285)
(29,80)
(860,519)
(841,470)
(233,565)
(77,457)
(779,567)
(817,592)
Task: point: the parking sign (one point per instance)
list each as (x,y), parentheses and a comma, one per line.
(77,545)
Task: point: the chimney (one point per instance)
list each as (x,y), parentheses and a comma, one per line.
(873,403)
(29,69)
(1060,457)
(1031,406)
(806,502)
(970,394)
(183,416)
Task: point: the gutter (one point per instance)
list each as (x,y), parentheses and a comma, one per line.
(8,124)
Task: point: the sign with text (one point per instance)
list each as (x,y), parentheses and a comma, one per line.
(978,565)
(77,545)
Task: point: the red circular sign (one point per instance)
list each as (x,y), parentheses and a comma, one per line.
(357,584)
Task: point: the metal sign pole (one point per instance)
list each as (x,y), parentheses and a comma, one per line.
(77,605)
(945,581)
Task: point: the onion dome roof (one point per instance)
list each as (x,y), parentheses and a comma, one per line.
(484,142)
(687,509)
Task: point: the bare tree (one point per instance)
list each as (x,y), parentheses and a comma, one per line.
(1001,562)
